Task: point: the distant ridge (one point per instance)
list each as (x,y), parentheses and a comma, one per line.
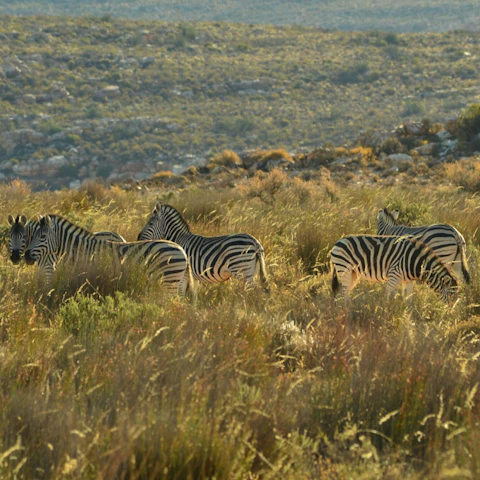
(359,15)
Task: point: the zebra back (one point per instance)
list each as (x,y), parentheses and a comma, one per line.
(396,260)
(110,236)
(446,241)
(213,259)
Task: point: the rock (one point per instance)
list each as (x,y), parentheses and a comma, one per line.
(29,98)
(146,61)
(411,128)
(441,136)
(426,149)
(11,71)
(373,139)
(111,91)
(173,127)
(6,165)
(57,161)
(399,160)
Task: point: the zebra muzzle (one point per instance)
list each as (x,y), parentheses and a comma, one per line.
(28,258)
(15,257)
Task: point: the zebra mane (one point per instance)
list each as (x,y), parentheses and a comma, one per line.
(172,211)
(59,220)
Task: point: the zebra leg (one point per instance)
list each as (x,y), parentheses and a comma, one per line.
(48,265)
(347,279)
(394,282)
(407,290)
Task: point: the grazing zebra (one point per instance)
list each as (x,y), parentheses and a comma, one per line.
(60,239)
(397,260)
(21,233)
(213,259)
(446,241)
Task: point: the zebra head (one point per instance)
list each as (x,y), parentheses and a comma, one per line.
(155,227)
(386,219)
(18,237)
(449,288)
(443,282)
(43,241)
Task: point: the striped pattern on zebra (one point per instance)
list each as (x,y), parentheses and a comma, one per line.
(61,240)
(446,241)
(399,261)
(213,259)
(21,233)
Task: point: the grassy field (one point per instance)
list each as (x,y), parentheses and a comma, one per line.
(292,385)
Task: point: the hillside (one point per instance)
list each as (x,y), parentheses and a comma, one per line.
(95,97)
(359,15)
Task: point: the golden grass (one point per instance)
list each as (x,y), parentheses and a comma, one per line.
(119,381)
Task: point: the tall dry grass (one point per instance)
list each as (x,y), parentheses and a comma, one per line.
(103,379)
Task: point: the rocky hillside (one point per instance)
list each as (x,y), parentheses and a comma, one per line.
(86,98)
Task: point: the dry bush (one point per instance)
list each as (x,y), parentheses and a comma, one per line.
(226,158)
(265,186)
(465,173)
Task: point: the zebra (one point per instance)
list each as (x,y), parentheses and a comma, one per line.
(21,233)
(59,239)
(397,260)
(213,259)
(446,241)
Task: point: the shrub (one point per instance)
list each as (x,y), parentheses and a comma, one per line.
(227,158)
(465,173)
(469,125)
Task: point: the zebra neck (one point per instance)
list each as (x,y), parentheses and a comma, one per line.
(183,238)
(77,242)
(178,233)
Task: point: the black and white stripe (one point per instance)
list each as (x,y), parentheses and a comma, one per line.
(21,233)
(59,239)
(213,259)
(399,261)
(446,241)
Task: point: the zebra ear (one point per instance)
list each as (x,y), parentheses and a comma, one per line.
(395,214)
(45,220)
(157,208)
(22,219)
(11,220)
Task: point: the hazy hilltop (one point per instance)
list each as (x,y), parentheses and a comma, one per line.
(361,15)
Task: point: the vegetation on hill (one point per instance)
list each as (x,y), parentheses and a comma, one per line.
(410,16)
(119,381)
(97,94)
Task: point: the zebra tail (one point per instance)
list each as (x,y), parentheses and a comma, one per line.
(263,270)
(192,286)
(335,282)
(466,273)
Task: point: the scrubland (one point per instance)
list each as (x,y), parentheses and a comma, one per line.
(116,380)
